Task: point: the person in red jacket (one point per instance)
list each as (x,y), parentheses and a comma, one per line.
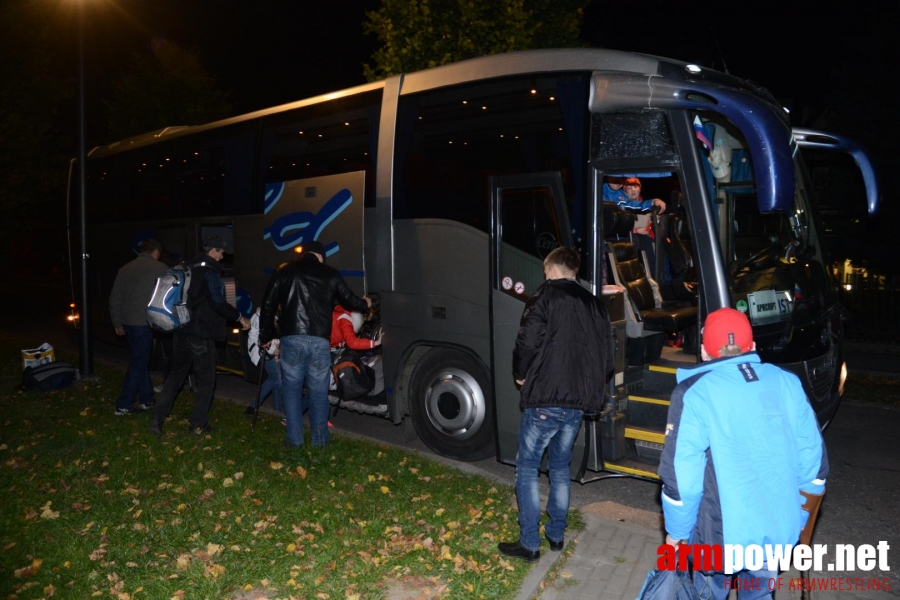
(345,325)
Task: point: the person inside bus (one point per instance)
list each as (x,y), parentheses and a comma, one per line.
(612,190)
(345,328)
(642,235)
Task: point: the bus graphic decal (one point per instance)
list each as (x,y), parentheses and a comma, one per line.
(295,228)
(274,191)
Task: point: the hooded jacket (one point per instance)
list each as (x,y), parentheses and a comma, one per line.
(563,349)
(741,442)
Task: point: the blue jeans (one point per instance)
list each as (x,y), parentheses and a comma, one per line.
(712,586)
(137,378)
(305,359)
(272,384)
(541,429)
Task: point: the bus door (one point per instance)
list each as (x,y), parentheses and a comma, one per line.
(530,220)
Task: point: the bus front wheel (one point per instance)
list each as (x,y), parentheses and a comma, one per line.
(451,406)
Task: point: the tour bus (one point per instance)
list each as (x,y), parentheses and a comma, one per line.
(440,193)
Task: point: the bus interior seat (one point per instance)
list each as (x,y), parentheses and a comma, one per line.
(629,273)
(616,221)
(681,262)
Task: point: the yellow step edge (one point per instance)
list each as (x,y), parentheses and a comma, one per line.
(229,370)
(644,435)
(647,400)
(630,471)
(659,369)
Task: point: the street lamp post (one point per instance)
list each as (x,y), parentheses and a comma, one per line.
(86,356)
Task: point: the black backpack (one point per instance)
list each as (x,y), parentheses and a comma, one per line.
(49,377)
(352,378)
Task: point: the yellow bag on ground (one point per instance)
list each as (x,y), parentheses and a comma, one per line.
(35,357)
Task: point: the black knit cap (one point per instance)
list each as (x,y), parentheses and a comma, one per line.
(313,246)
(213,241)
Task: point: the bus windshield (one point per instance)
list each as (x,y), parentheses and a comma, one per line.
(775,262)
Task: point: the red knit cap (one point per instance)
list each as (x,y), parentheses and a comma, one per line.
(726,327)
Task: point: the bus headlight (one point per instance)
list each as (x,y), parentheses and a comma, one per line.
(843,379)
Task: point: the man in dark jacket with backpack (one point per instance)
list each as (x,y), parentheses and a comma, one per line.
(562,360)
(306,291)
(194,345)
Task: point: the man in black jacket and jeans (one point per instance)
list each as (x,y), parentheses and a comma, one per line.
(194,345)
(306,291)
(562,361)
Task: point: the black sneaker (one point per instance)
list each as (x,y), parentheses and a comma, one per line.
(251,410)
(155,428)
(124,412)
(201,430)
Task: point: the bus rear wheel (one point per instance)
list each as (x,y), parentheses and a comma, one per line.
(451,406)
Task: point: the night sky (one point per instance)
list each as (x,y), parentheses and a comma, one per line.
(269,52)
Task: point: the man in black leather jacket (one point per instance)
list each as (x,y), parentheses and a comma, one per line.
(305,291)
(562,360)
(194,345)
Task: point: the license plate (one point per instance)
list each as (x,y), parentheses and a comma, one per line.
(769,306)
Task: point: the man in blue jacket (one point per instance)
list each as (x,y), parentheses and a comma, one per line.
(742,441)
(562,360)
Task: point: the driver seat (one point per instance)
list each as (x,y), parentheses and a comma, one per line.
(629,273)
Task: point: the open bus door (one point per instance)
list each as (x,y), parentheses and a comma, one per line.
(530,220)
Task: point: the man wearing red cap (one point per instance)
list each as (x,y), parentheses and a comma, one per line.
(742,441)
(642,235)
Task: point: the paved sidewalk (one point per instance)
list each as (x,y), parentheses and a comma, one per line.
(608,560)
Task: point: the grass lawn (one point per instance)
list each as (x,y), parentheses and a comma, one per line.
(94,505)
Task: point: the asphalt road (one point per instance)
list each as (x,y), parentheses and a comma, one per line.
(861,506)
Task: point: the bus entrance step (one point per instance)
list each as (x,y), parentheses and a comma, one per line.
(633,467)
(647,409)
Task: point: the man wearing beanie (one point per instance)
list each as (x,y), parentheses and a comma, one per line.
(306,291)
(742,441)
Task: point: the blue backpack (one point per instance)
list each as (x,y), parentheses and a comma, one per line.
(168,308)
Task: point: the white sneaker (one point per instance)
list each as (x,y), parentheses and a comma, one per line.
(157,389)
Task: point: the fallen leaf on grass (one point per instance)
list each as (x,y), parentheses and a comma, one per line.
(301,472)
(98,553)
(275,466)
(385,489)
(227,482)
(213,549)
(29,571)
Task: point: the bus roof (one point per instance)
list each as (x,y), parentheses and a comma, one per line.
(486,67)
